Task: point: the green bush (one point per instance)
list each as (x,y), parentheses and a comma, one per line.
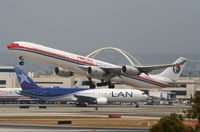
(194,112)
(171,123)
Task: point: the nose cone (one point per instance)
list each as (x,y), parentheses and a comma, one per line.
(10,46)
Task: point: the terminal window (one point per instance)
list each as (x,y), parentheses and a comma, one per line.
(2,81)
(197,92)
(7,70)
(84,83)
(179,92)
(146,92)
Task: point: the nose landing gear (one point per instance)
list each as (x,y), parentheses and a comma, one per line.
(21,60)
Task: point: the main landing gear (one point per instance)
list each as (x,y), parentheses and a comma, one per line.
(81,104)
(136,104)
(91,83)
(103,83)
(21,60)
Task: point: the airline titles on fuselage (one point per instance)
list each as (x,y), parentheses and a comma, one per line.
(122,94)
(85,59)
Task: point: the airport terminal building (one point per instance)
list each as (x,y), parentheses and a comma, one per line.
(8,80)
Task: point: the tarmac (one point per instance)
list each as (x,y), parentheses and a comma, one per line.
(31,128)
(144,112)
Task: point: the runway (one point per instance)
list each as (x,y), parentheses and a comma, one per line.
(146,111)
(31,128)
(92,118)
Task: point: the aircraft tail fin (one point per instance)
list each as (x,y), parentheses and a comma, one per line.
(173,73)
(25,81)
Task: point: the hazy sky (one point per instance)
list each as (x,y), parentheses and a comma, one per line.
(81,26)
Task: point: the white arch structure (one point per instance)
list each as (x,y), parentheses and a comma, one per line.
(132,60)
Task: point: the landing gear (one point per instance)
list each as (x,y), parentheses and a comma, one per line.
(137,105)
(91,84)
(111,86)
(82,104)
(22,60)
(102,83)
(21,63)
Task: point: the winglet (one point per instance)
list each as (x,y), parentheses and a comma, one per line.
(25,81)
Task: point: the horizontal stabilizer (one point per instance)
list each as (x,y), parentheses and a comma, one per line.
(180,61)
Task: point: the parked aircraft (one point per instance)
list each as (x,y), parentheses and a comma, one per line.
(80,95)
(12,95)
(66,64)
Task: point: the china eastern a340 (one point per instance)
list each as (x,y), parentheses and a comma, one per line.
(67,64)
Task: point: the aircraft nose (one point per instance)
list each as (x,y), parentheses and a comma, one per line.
(10,46)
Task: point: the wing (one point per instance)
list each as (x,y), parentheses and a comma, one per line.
(117,70)
(110,72)
(147,69)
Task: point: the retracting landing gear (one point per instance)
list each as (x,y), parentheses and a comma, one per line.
(102,83)
(91,83)
(21,60)
(111,86)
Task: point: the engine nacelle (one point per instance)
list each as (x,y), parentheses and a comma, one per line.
(62,72)
(95,71)
(129,70)
(102,101)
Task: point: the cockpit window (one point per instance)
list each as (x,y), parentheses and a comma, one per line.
(15,44)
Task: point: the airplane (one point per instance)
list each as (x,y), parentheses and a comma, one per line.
(67,64)
(82,96)
(12,94)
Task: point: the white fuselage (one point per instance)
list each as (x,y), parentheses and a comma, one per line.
(111,95)
(72,62)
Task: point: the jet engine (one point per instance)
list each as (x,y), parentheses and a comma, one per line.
(95,71)
(101,101)
(129,70)
(62,72)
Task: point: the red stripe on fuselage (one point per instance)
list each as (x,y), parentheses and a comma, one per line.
(152,81)
(51,54)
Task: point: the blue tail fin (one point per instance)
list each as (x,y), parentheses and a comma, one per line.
(25,81)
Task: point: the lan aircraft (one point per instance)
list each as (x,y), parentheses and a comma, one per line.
(81,96)
(66,64)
